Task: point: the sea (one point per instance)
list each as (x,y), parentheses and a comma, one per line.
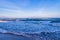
(30,30)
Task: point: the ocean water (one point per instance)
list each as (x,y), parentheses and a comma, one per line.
(29,30)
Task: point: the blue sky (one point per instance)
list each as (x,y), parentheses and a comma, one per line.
(29,8)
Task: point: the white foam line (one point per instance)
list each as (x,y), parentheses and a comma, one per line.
(3,21)
(18,34)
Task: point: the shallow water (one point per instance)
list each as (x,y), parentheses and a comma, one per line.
(40,36)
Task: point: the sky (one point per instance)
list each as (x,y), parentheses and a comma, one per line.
(30,8)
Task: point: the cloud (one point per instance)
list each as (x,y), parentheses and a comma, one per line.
(17,8)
